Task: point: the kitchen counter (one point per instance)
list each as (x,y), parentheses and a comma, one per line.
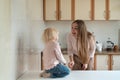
(77,75)
(104,52)
(107,52)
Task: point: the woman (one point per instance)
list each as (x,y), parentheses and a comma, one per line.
(81,47)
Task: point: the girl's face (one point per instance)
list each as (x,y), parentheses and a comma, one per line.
(56,36)
(74,29)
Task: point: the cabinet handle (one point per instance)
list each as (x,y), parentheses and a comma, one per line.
(112,62)
(107,62)
(60,14)
(109,14)
(104,14)
(55,14)
(90,16)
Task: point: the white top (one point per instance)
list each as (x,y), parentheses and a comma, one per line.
(52,55)
(72,48)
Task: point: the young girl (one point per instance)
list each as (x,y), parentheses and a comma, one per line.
(54,62)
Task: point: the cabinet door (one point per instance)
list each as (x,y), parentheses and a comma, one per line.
(116,62)
(50,10)
(102,62)
(100,9)
(83,9)
(65,10)
(114,9)
(66,58)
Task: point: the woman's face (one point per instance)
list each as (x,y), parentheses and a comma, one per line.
(74,29)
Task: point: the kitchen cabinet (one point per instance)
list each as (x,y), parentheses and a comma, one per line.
(102,62)
(66,56)
(83,9)
(65,10)
(50,9)
(107,61)
(100,9)
(107,10)
(57,9)
(116,62)
(114,9)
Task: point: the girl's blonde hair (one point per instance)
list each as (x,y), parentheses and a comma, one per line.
(50,34)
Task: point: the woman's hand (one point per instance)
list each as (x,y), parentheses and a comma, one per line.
(84,67)
(71,64)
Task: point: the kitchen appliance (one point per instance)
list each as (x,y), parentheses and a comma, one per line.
(110,45)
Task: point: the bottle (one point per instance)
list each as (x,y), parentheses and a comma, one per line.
(99,46)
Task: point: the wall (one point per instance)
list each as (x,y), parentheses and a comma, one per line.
(102,30)
(6,57)
(21,26)
(20,36)
(36,25)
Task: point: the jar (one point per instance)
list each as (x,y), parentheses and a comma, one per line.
(116,48)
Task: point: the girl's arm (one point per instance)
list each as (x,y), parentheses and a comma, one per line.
(59,54)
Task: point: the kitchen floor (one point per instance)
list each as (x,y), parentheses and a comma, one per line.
(77,75)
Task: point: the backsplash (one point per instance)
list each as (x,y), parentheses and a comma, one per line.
(102,30)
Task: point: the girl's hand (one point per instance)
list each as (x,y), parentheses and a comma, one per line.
(71,64)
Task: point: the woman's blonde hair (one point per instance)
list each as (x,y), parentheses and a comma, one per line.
(82,41)
(50,34)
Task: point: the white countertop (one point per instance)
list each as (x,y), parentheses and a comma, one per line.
(77,75)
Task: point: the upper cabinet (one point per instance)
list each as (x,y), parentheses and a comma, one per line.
(110,9)
(100,10)
(114,9)
(57,9)
(65,10)
(50,10)
(83,9)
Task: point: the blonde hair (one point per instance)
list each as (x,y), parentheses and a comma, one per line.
(50,34)
(82,41)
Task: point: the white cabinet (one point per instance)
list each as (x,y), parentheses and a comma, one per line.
(107,10)
(66,58)
(83,9)
(50,9)
(100,10)
(116,62)
(57,9)
(102,62)
(114,9)
(65,10)
(107,61)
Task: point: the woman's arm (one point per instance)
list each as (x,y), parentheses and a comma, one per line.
(70,51)
(92,47)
